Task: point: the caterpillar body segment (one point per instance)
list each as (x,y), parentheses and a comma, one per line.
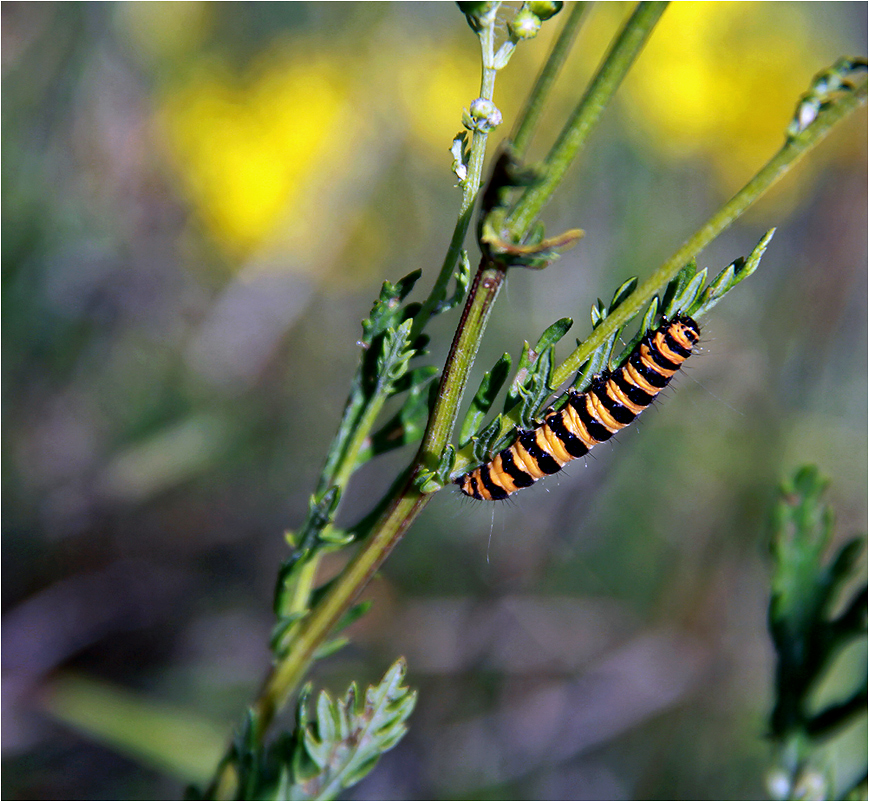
(612,401)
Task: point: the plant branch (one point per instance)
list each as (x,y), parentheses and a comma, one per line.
(774,170)
(584,118)
(470,188)
(530,114)
(781,163)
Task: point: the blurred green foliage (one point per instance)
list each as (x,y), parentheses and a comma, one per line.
(185,265)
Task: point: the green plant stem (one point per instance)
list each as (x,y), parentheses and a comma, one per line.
(463,352)
(470,189)
(408,501)
(769,175)
(530,114)
(315,628)
(585,116)
(389,529)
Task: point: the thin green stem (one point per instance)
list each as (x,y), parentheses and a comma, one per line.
(769,175)
(470,188)
(585,116)
(530,114)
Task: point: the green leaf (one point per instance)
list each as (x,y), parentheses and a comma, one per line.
(521,388)
(622,293)
(536,388)
(462,278)
(646,325)
(725,281)
(486,439)
(386,312)
(687,296)
(678,284)
(553,334)
(491,384)
(598,313)
(597,362)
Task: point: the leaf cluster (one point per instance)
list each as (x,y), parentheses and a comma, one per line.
(321,757)
(388,344)
(810,625)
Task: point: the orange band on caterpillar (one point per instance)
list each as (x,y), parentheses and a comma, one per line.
(612,401)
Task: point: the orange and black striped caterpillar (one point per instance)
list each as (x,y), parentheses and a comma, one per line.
(611,402)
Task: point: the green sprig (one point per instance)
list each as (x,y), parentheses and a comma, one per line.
(808,635)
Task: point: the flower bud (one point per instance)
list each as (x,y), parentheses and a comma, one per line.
(485,115)
(524,25)
(544,9)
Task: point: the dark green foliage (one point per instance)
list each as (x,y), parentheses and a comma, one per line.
(806,629)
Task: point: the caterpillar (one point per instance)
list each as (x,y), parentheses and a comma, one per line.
(612,401)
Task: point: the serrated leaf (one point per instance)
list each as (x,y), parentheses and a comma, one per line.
(732,275)
(392,360)
(597,362)
(676,285)
(386,312)
(484,441)
(537,387)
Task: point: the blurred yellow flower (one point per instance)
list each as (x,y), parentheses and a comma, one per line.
(443,79)
(247,150)
(721,80)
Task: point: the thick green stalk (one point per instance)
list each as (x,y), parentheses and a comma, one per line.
(530,114)
(584,118)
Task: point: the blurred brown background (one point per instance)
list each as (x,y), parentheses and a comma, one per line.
(200,202)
